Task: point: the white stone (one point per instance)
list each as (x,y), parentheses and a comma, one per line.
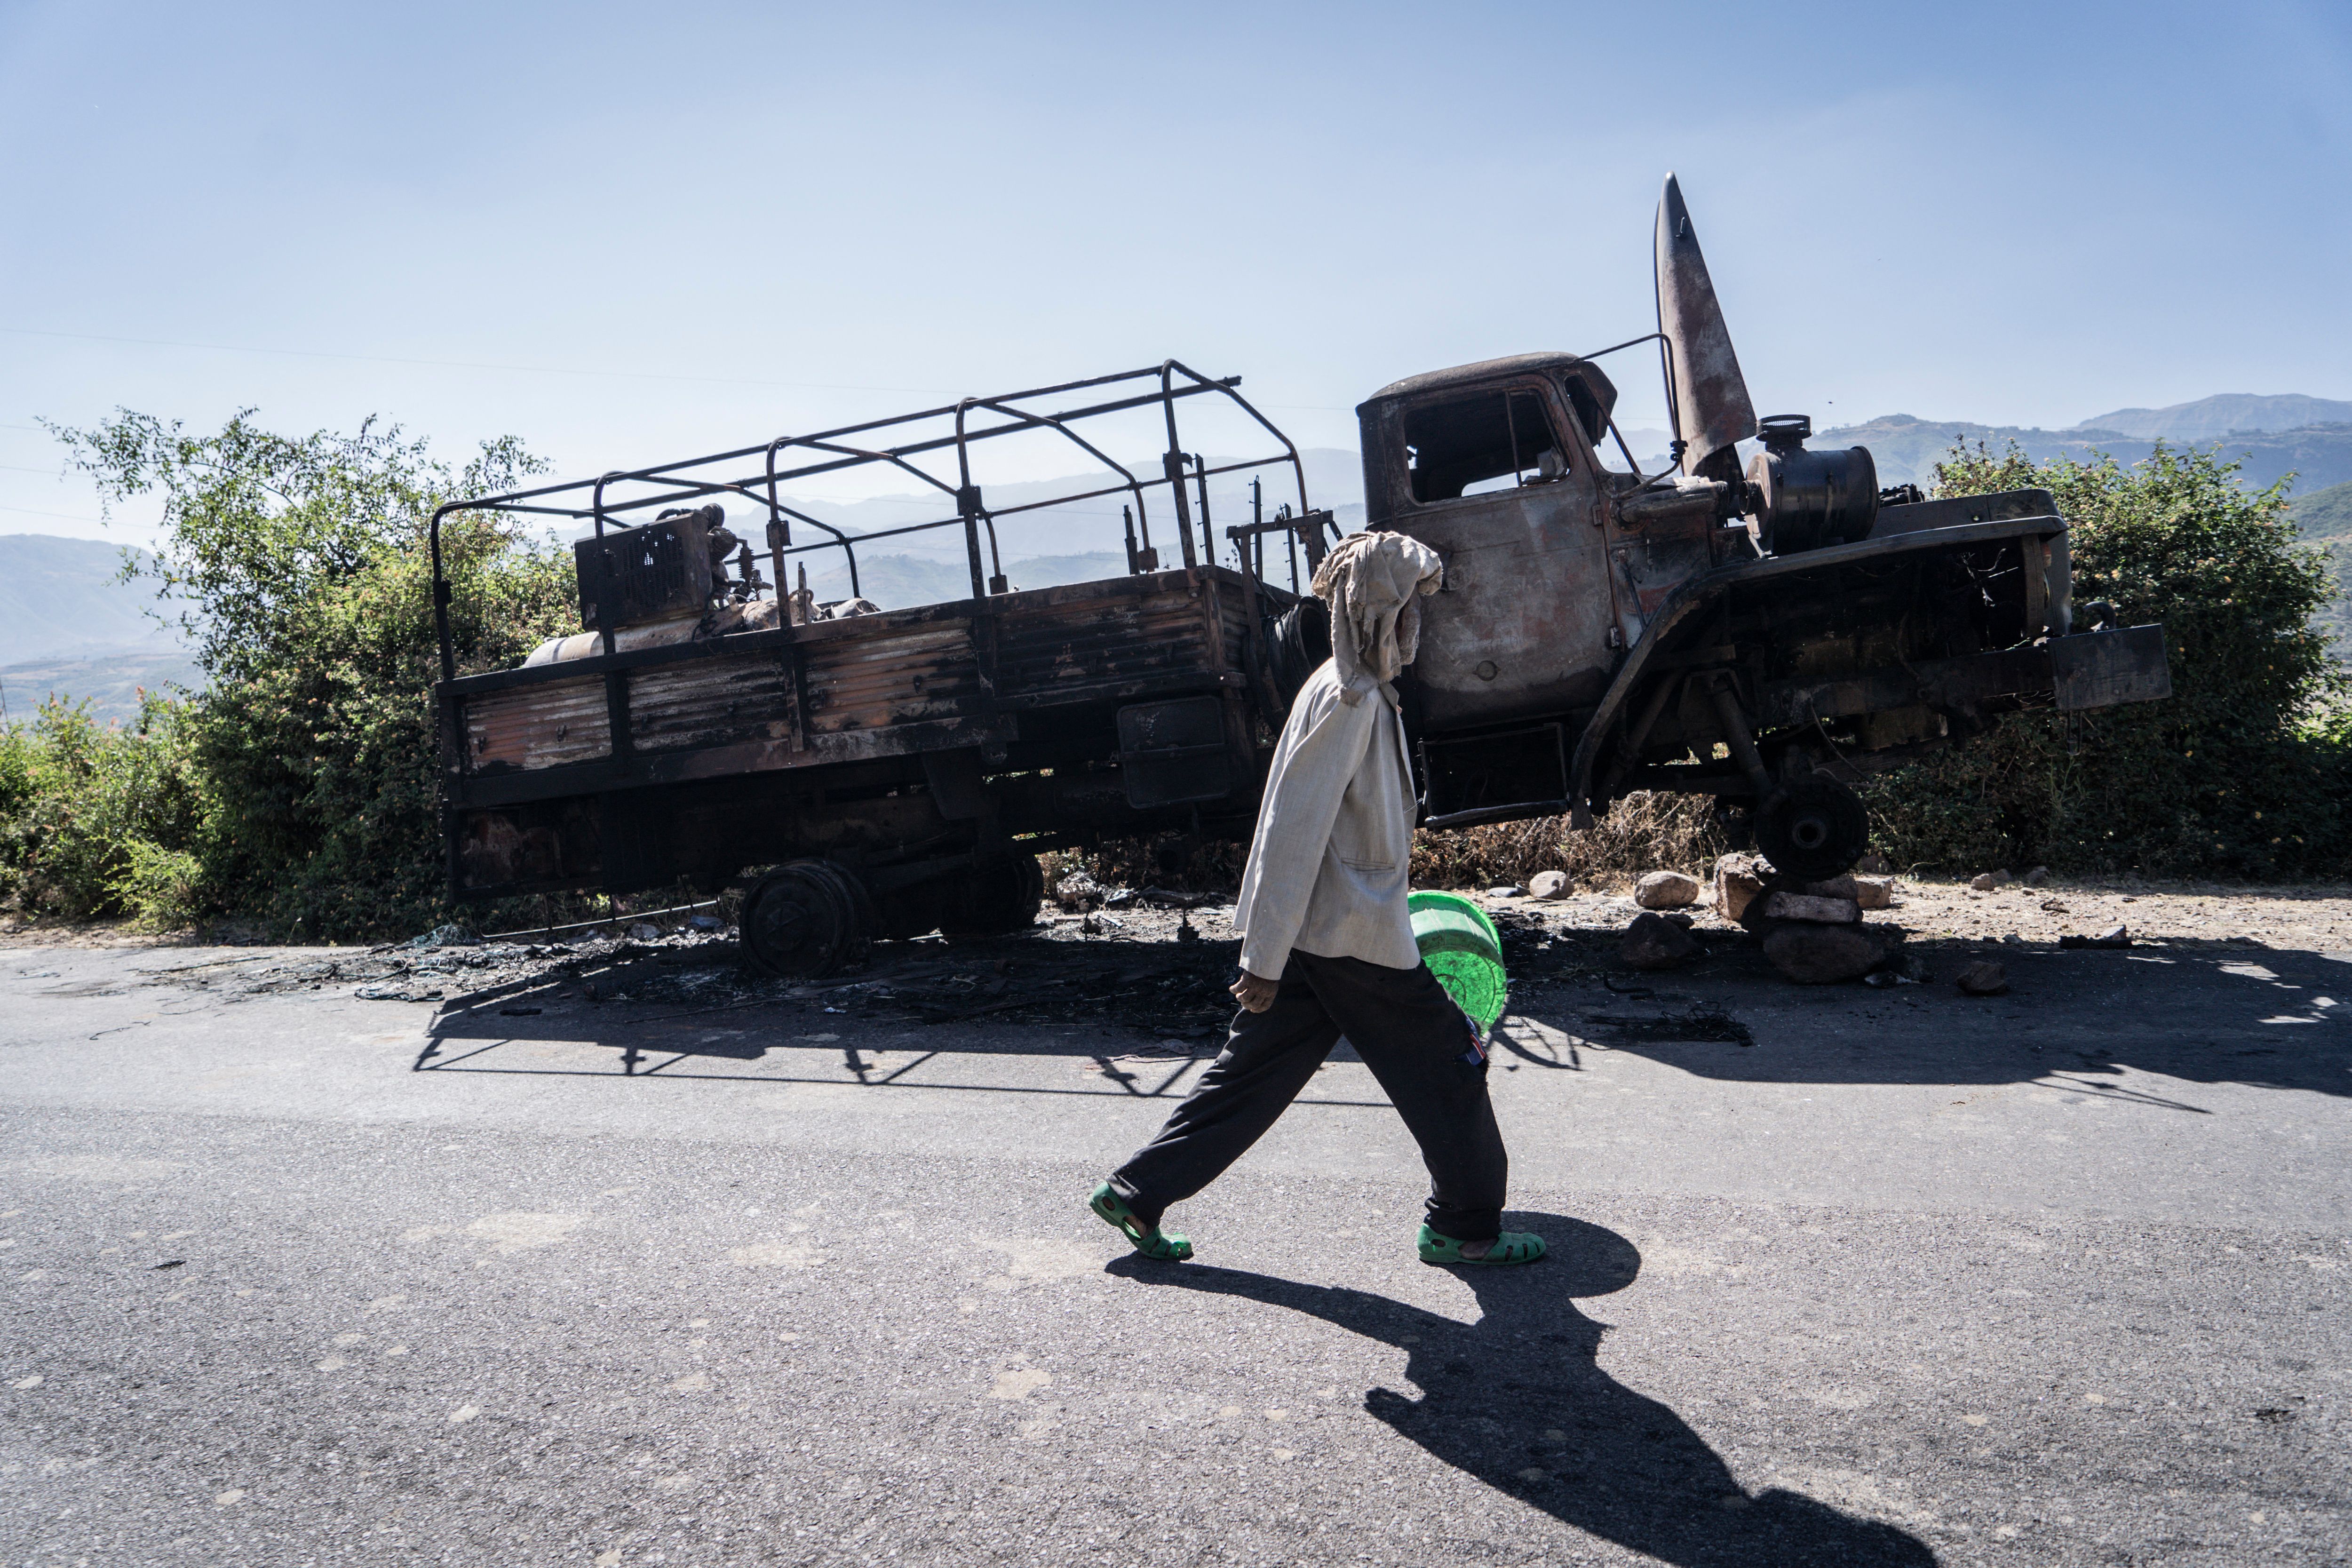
(1739,881)
(1665,890)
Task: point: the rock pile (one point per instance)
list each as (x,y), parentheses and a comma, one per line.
(1813,931)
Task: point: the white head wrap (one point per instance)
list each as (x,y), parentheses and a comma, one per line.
(1371,582)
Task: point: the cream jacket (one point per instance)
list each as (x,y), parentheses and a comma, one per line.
(1328,867)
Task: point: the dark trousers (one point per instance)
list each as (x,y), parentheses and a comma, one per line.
(1409,1033)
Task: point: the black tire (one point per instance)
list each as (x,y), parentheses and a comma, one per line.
(806,919)
(1813,827)
(999,896)
(1297,641)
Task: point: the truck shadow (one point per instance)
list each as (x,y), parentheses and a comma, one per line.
(1519,1401)
(2074,1021)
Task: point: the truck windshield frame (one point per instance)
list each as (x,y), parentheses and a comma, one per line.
(1455,446)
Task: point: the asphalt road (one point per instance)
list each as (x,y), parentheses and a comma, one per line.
(2055,1278)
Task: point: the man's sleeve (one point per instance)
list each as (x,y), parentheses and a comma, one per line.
(1294,828)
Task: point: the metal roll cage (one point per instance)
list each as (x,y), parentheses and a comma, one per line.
(677,484)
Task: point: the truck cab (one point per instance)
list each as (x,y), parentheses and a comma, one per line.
(1767,637)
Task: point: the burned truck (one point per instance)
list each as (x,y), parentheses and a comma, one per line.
(1763,626)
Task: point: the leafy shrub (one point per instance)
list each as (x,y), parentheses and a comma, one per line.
(2245,772)
(307,768)
(85,811)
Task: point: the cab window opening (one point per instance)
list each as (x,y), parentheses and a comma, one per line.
(1479,444)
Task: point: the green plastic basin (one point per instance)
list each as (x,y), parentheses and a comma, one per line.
(1462,949)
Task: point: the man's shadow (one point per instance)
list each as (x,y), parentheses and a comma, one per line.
(1518,1400)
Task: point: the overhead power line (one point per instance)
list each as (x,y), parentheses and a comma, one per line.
(519,369)
(65,516)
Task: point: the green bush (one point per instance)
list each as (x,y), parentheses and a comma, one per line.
(86,813)
(2245,772)
(300,782)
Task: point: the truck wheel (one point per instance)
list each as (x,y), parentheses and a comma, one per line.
(1813,828)
(910,912)
(807,919)
(1000,896)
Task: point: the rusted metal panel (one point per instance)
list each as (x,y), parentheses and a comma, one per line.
(540,726)
(1940,682)
(709,702)
(843,746)
(1781,581)
(890,677)
(1233,624)
(2097,669)
(1076,642)
(897,684)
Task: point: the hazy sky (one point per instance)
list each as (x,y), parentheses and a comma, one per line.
(630,233)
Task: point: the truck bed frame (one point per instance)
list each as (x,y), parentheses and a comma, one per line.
(913,747)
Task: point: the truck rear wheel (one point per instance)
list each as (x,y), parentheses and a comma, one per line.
(807,919)
(999,896)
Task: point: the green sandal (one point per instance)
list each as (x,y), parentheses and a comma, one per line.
(1511,1246)
(1170,1247)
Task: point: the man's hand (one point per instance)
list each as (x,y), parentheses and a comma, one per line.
(1254,992)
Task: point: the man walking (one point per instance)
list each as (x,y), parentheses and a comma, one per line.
(1328,947)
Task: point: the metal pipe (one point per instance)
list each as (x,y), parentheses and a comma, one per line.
(538,500)
(1257,522)
(1229,385)
(694,487)
(1734,725)
(1208,533)
(604,573)
(1133,485)
(777,512)
(1172,464)
(967,503)
(441,591)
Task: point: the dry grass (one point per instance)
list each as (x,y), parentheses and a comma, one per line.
(1643,832)
(1169,861)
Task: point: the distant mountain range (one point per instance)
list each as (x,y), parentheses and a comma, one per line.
(2212,418)
(2325,517)
(68,628)
(2310,438)
(1907,447)
(59,596)
(2326,514)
